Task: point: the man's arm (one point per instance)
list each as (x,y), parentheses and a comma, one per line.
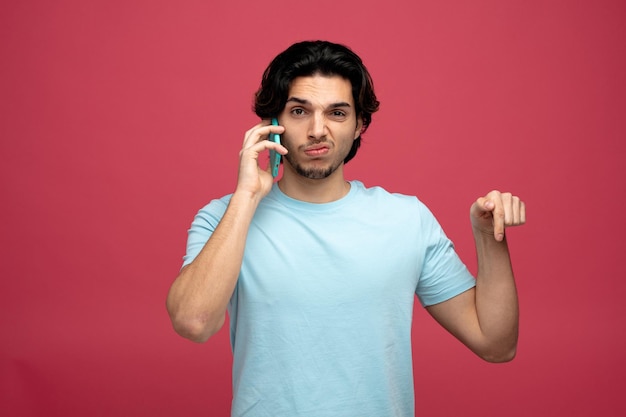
(485,318)
(198,298)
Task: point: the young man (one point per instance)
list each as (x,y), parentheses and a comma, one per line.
(319,275)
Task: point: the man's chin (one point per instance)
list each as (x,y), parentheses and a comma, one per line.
(314,169)
(315,173)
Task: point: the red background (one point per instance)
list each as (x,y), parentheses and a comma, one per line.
(120,119)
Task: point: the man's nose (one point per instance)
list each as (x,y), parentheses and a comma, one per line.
(317,128)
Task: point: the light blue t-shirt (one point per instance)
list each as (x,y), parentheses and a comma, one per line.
(320,319)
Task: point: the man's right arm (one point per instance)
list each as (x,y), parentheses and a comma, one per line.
(198,298)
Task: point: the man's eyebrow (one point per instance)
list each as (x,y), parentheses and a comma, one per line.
(307,102)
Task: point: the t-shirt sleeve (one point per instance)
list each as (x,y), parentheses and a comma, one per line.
(202,227)
(443,275)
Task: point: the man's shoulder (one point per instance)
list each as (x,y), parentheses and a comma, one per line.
(215,208)
(382,194)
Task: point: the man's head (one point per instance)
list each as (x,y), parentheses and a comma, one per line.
(311,58)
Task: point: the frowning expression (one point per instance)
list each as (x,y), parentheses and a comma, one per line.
(320,123)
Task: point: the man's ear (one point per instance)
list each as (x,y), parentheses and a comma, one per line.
(359,127)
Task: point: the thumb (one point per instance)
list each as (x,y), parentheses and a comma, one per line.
(482,206)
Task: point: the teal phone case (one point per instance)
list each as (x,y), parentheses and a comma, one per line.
(274,156)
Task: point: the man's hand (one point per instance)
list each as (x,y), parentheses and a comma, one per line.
(251,177)
(496,211)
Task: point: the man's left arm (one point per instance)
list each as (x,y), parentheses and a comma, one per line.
(486,317)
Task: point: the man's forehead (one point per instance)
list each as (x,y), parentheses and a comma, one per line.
(321,88)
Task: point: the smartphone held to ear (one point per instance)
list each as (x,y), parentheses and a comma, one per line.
(274,156)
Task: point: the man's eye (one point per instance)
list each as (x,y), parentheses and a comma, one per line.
(338,114)
(297,112)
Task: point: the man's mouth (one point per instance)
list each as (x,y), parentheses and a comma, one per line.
(316,150)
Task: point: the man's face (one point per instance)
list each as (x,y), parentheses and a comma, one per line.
(320,125)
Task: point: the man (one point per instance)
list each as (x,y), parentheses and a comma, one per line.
(319,275)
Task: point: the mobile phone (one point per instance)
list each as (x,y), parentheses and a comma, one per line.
(274,156)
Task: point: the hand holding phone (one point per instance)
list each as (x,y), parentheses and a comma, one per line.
(274,156)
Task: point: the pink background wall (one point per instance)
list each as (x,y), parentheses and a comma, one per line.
(120,119)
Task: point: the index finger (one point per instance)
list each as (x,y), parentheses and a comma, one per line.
(498,214)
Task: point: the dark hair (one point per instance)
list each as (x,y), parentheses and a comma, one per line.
(316,57)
